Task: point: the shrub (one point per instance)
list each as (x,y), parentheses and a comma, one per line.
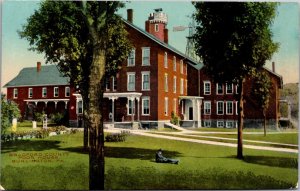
(174,118)
(57,118)
(73,131)
(38,116)
(117,137)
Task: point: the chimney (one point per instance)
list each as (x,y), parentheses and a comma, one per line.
(166,35)
(273,67)
(130,15)
(38,66)
(147,23)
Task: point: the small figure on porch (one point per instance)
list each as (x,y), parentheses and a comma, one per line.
(159,158)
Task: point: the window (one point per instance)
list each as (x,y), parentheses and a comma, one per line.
(130,81)
(166,106)
(166,82)
(166,60)
(67,91)
(181,66)
(145,80)
(236,107)
(229,88)
(175,105)
(146,56)
(174,84)
(44,92)
(107,84)
(229,124)
(131,58)
(131,108)
(220,107)
(207,123)
(15,93)
(174,64)
(229,107)
(56,91)
(114,83)
(236,89)
(181,86)
(145,106)
(219,88)
(206,88)
(79,107)
(156,27)
(207,107)
(220,123)
(30,92)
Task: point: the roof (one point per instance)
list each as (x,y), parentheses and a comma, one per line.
(190,60)
(48,75)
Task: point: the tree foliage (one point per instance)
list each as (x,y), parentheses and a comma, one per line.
(87,41)
(9,110)
(234,40)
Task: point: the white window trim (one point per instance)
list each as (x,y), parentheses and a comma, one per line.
(166,106)
(77,107)
(175,105)
(133,107)
(30,92)
(113,83)
(206,122)
(133,50)
(186,88)
(181,86)
(218,108)
(54,92)
(206,113)
(166,81)
(66,90)
(204,92)
(230,121)
(236,107)
(227,103)
(181,66)
(145,98)
(174,84)
(130,74)
(186,68)
(15,92)
(220,122)
(217,89)
(143,49)
(143,74)
(231,88)
(107,84)
(44,88)
(166,60)
(174,64)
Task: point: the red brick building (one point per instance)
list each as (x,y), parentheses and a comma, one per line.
(153,82)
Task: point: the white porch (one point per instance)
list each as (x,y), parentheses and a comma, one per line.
(190,109)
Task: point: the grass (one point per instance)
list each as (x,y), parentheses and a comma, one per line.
(130,165)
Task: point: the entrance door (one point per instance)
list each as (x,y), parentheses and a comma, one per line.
(190,113)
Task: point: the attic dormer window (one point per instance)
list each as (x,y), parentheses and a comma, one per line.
(44,92)
(15,92)
(156,28)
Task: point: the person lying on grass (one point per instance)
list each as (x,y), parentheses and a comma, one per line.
(159,158)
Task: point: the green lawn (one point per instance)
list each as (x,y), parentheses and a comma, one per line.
(130,165)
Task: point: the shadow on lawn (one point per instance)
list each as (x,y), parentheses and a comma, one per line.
(136,153)
(273,161)
(28,145)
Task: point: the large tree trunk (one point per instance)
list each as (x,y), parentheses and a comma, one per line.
(240,120)
(95,120)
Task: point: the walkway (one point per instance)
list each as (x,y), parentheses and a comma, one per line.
(169,135)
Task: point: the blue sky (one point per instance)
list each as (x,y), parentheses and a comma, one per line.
(15,53)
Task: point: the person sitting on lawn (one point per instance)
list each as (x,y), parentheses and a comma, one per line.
(159,158)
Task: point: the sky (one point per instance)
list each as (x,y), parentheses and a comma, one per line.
(15,53)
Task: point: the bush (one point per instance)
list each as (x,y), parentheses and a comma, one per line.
(57,118)
(174,118)
(38,116)
(117,137)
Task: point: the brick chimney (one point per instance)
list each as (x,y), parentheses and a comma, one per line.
(130,15)
(157,25)
(273,67)
(38,66)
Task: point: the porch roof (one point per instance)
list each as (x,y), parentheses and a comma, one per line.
(190,97)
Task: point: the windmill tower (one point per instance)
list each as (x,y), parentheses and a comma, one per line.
(190,46)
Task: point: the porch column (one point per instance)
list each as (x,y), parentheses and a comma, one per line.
(113,109)
(66,104)
(199,113)
(138,108)
(132,110)
(55,104)
(195,110)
